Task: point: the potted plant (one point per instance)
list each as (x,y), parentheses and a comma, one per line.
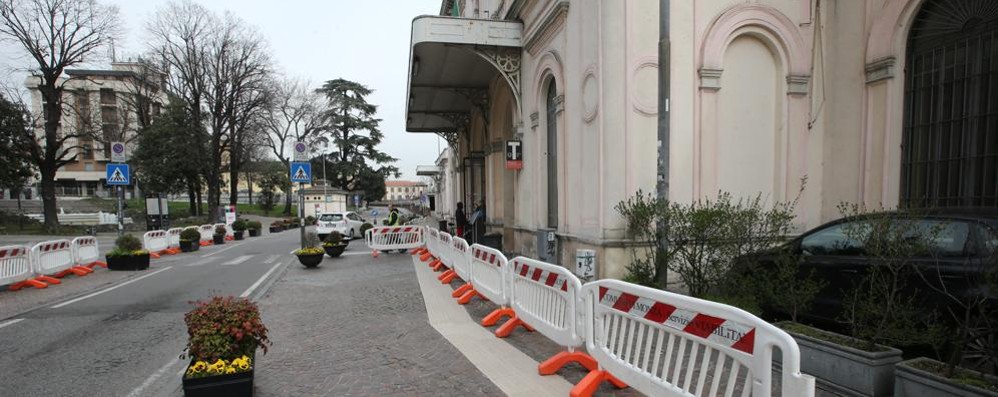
(254,228)
(219,236)
(364,228)
(223,335)
(310,255)
(238,228)
(276,226)
(127,254)
(309,220)
(335,244)
(190,240)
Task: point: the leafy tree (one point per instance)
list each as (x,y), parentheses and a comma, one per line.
(274,177)
(169,155)
(15,133)
(355,135)
(56,35)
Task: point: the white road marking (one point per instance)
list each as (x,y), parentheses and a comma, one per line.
(224,249)
(201,262)
(111,288)
(152,378)
(238,260)
(271,259)
(260,281)
(11,322)
(354,253)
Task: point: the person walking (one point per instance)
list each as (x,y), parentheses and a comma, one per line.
(460,220)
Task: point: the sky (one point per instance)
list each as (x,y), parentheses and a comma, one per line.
(318,40)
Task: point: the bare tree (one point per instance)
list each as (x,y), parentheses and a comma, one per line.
(56,34)
(295,115)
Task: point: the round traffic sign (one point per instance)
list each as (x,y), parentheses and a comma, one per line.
(118,148)
(300,147)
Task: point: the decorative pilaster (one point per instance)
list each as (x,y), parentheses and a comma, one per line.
(710,79)
(797,84)
(881,69)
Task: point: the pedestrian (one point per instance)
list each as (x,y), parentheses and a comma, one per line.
(460,220)
(393,216)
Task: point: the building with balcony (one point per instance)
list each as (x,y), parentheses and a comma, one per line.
(101,106)
(879,102)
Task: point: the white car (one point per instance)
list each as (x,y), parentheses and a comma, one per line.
(347,223)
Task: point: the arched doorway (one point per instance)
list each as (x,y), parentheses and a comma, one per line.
(950,140)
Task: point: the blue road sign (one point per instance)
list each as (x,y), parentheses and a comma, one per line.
(117,174)
(301,172)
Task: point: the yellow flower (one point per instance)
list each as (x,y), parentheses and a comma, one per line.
(230,370)
(244,366)
(199,366)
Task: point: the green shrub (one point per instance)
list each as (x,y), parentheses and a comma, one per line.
(254,225)
(334,238)
(220,230)
(364,228)
(190,235)
(310,220)
(224,328)
(239,225)
(128,242)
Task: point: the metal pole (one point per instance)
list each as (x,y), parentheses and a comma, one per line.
(121,211)
(662,185)
(301,213)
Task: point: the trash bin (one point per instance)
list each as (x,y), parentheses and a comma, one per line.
(442,225)
(492,240)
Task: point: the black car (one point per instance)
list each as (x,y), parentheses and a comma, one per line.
(962,248)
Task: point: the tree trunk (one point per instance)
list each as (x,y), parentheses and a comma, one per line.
(249,186)
(192,198)
(287,203)
(200,201)
(48,202)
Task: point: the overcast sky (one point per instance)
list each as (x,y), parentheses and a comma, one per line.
(318,40)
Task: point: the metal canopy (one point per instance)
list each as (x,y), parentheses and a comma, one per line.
(427,170)
(451,62)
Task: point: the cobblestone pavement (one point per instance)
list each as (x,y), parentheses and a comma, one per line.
(356,326)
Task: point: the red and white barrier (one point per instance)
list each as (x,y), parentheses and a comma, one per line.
(207,234)
(173,240)
(389,238)
(15,268)
(444,241)
(156,242)
(490,277)
(655,340)
(86,252)
(462,269)
(55,258)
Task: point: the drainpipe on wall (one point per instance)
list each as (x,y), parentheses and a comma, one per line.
(662,184)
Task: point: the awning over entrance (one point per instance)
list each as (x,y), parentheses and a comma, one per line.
(451,62)
(427,170)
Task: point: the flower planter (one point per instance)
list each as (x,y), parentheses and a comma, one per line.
(853,370)
(334,250)
(915,382)
(238,235)
(254,232)
(218,239)
(189,246)
(128,262)
(310,260)
(276,229)
(232,385)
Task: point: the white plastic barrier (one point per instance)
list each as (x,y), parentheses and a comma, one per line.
(489,273)
(546,297)
(55,258)
(388,238)
(207,234)
(459,258)
(433,236)
(155,241)
(86,252)
(173,238)
(667,344)
(15,268)
(444,242)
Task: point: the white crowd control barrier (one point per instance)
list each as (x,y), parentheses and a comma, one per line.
(15,268)
(666,344)
(55,258)
(462,268)
(444,241)
(433,236)
(387,238)
(490,277)
(207,233)
(155,242)
(173,239)
(86,252)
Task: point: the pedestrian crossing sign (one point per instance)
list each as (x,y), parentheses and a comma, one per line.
(301,172)
(117,175)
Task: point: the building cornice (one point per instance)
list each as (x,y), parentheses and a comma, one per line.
(550,23)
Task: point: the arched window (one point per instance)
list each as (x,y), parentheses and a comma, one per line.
(950,141)
(552,153)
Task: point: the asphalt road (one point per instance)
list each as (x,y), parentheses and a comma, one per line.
(124,339)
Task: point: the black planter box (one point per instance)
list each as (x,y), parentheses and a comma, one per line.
(238,235)
(254,232)
(310,260)
(229,385)
(218,239)
(276,229)
(129,262)
(189,246)
(334,250)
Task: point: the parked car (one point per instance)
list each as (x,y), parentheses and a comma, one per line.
(347,223)
(963,246)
